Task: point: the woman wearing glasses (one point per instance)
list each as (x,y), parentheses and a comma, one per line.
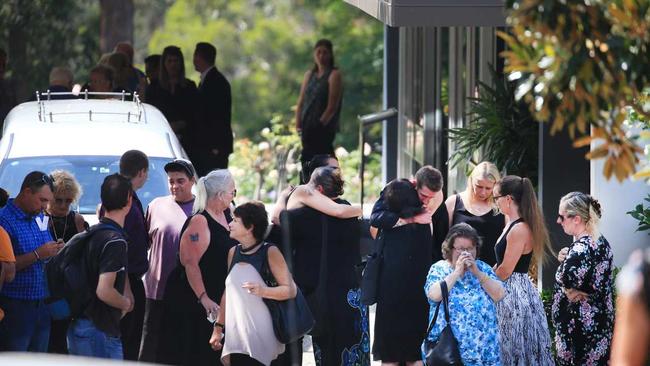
(583,308)
(197,283)
(525,339)
(63,225)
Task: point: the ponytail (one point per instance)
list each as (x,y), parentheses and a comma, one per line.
(533,216)
(201,199)
(522,192)
(585,206)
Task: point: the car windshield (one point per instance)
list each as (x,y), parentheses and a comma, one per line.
(90,171)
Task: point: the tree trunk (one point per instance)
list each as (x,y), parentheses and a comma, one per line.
(116,23)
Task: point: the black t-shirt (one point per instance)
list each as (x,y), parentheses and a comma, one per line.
(107,252)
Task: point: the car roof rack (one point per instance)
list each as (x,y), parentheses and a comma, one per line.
(131,117)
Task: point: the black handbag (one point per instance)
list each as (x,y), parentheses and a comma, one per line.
(444,351)
(371,272)
(291,318)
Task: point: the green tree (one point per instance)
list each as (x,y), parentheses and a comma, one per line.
(41,34)
(581,64)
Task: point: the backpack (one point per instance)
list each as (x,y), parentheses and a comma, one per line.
(68,277)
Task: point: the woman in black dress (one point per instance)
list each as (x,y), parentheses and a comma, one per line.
(174,94)
(195,287)
(63,225)
(402,307)
(476,207)
(315,219)
(319,104)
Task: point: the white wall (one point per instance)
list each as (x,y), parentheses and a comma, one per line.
(616,199)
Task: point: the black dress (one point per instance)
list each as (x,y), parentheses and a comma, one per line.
(316,137)
(61,228)
(402,307)
(489,226)
(186,331)
(345,338)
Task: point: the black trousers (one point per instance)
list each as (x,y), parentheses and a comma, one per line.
(292,355)
(240,359)
(153,318)
(131,324)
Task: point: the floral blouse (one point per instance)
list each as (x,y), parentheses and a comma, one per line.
(584,329)
(472,313)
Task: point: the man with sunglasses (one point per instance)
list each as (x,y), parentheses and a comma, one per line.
(26,326)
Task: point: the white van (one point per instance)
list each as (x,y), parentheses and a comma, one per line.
(86,137)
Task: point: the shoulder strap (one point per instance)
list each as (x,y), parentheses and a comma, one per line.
(445,304)
(235,257)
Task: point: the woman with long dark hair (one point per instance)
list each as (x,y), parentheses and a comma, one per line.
(525,338)
(174,94)
(319,104)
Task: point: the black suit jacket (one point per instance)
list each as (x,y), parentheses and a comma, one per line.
(215,112)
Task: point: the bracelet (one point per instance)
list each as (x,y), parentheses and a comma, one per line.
(200,296)
(38,257)
(217,324)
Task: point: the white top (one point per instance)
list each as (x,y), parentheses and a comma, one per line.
(249,328)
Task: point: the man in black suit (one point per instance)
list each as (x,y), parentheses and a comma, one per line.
(212,135)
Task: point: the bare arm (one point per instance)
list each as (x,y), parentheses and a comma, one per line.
(334,97)
(517,241)
(107,293)
(318,201)
(280,204)
(493,287)
(194,243)
(79,222)
(300,99)
(450,203)
(435,291)
(46,250)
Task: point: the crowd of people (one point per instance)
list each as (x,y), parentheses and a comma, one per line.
(184,280)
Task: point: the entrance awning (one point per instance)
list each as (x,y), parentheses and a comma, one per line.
(442,13)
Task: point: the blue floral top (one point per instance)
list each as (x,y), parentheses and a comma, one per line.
(472,313)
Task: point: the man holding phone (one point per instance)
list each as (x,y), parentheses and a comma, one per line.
(26,326)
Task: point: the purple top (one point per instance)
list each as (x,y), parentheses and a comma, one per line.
(165,218)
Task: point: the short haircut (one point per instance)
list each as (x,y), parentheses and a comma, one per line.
(61,74)
(462,230)
(429,177)
(402,199)
(36,180)
(329,178)
(105,71)
(115,192)
(65,183)
(153,60)
(253,214)
(132,162)
(206,51)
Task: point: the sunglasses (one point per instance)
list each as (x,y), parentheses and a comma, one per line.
(43,180)
(562,217)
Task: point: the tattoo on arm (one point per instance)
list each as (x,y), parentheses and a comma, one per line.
(194,237)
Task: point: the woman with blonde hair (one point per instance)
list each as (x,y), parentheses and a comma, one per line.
(525,338)
(475,206)
(583,307)
(63,224)
(196,285)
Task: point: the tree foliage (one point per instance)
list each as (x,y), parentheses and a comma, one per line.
(41,34)
(265,47)
(582,64)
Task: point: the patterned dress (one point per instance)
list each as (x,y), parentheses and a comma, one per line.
(584,329)
(472,313)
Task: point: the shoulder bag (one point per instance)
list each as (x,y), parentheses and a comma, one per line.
(444,351)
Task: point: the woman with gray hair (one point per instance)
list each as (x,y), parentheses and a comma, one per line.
(198,281)
(583,307)
(473,291)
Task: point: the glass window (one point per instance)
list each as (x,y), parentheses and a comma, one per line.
(89,171)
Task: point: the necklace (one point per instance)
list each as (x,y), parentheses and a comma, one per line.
(65,227)
(249,249)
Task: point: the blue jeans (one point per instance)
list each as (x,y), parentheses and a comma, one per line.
(84,339)
(26,326)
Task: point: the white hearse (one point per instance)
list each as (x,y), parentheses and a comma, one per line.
(86,137)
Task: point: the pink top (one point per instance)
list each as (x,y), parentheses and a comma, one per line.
(165,218)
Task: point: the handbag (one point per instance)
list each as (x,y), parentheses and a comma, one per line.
(444,351)
(291,318)
(371,272)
